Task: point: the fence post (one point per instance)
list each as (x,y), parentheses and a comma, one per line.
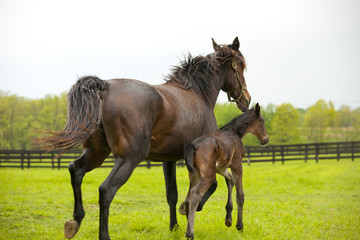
(352,151)
(282,154)
(317,153)
(59,163)
(306,153)
(248,160)
(28,160)
(148,164)
(22,160)
(273,154)
(52,160)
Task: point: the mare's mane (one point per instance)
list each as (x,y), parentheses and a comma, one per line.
(225,53)
(197,74)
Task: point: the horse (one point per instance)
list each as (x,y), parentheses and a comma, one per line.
(207,155)
(135,121)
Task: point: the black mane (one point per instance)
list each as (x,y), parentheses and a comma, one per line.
(240,123)
(198,74)
(225,53)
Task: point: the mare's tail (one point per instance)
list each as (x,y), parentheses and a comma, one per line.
(189,152)
(83,115)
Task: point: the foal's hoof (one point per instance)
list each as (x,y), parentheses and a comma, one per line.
(191,237)
(71,228)
(182,209)
(228,222)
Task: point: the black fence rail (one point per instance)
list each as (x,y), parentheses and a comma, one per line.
(304,152)
(272,153)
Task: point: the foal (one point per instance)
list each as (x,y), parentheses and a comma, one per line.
(207,155)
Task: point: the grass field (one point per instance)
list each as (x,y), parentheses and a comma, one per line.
(296,200)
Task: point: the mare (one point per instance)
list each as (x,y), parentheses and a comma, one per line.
(207,155)
(136,121)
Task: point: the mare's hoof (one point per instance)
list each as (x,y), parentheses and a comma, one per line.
(174,228)
(228,222)
(182,209)
(240,227)
(71,228)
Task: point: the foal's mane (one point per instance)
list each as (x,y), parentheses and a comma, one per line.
(197,74)
(240,123)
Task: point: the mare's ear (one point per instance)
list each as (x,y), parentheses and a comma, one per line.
(215,45)
(257,109)
(236,44)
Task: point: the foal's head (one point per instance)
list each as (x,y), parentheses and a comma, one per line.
(250,121)
(232,65)
(257,126)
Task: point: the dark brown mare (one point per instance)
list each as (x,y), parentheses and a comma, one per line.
(137,121)
(207,155)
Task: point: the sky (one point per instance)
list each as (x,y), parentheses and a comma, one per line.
(297,52)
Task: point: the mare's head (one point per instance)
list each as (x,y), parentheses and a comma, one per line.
(232,65)
(257,126)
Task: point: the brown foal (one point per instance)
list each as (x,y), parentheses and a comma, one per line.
(207,155)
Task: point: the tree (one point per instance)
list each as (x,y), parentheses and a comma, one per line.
(285,125)
(316,121)
(225,112)
(21,117)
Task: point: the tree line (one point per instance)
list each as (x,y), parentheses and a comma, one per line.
(286,124)
(22,118)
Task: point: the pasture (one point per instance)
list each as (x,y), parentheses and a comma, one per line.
(296,200)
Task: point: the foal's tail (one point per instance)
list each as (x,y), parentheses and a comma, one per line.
(83,115)
(189,152)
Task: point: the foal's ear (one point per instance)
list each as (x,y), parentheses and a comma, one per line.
(236,44)
(215,45)
(257,109)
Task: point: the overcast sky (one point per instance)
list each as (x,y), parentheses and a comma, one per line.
(297,51)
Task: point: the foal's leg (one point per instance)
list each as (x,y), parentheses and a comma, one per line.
(206,196)
(193,179)
(229,205)
(196,195)
(169,169)
(95,152)
(237,171)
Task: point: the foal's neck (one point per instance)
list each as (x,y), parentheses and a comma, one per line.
(239,125)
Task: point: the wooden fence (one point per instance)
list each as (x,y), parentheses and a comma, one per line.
(272,153)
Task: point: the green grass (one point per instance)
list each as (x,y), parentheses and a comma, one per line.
(296,200)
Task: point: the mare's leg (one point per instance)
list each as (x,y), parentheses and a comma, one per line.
(169,169)
(95,152)
(196,195)
(123,168)
(237,171)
